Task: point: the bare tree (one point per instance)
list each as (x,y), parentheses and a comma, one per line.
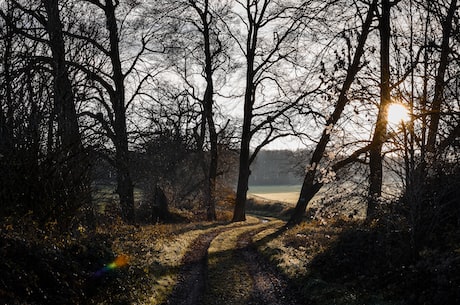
(434,122)
(64,97)
(40,26)
(379,137)
(262,57)
(440,83)
(6,100)
(311,185)
(109,81)
(18,150)
(199,36)
(211,53)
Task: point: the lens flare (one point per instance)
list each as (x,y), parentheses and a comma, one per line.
(120,261)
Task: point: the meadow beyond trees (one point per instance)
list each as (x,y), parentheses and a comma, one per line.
(128,136)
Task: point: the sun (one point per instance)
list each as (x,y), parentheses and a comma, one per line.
(397,113)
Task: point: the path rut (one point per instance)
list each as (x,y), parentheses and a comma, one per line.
(232,271)
(269,287)
(192,278)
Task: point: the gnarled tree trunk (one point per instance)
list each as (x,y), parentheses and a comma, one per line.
(309,186)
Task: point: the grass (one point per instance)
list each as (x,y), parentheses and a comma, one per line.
(106,198)
(356,263)
(333,263)
(156,253)
(225,267)
(293,250)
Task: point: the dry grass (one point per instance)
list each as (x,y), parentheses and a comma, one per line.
(293,250)
(155,253)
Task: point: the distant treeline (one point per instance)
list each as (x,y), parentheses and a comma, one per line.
(276,167)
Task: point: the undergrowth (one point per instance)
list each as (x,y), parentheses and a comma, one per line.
(41,265)
(359,263)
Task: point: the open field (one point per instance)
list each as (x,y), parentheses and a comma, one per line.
(289,194)
(283,193)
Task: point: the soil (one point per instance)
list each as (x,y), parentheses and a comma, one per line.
(191,280)
(269,286)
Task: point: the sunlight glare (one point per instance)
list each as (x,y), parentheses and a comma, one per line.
(397,113)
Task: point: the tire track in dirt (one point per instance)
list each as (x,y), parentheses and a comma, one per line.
(269,286)
(229,281)
(223,267)
(192,276)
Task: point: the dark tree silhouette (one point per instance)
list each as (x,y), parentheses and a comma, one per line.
(261,61)
(310,185)
(379,137)
(66,187)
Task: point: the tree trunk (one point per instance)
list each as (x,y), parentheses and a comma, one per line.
(309,187)
(71,176)
(308,191)
(375,155)
(125,188)
(208,104)
(415,189)
(439,82)
(213,163)
(33,148)
(6,121)
(63,94)
(239,213)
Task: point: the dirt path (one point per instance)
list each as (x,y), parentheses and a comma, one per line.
(192,278)
(223,267)
(269,287)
